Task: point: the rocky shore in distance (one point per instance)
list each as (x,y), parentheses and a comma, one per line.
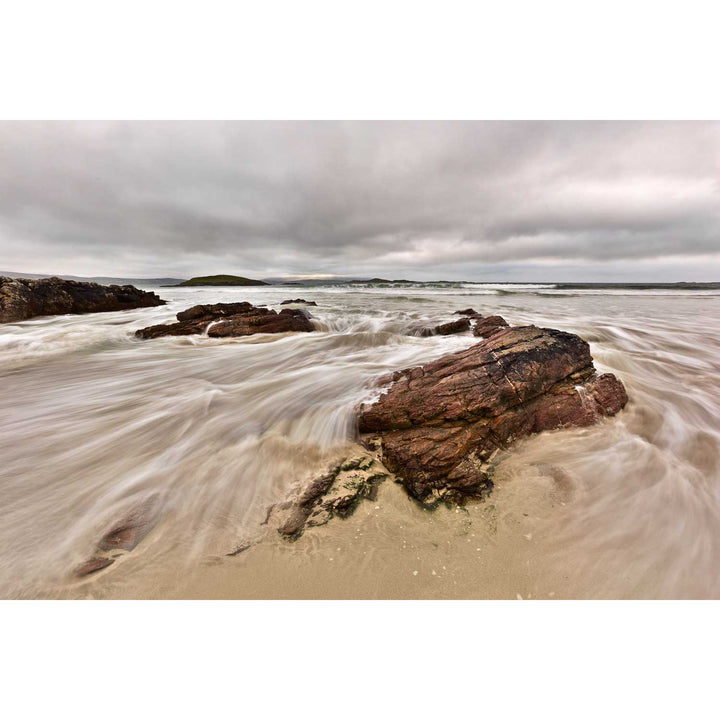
(231,320)
(21,298)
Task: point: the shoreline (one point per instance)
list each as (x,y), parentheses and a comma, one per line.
(223,428)
(501,547)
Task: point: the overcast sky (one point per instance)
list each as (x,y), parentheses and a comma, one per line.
(420,200)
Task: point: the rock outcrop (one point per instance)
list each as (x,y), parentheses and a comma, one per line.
(336,493)
(441,424)
(487,326)
(482,327)
(231,320)
(299,301)
(21,299)
(448,328)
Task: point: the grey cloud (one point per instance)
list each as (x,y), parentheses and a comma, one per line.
(405,199)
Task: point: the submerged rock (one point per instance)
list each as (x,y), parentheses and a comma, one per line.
(231,320)
(124,536)
(93,565)
(441,424)
(469,312)
(21,299)
(127,534)
(239,550)
(448,328)
(299,301)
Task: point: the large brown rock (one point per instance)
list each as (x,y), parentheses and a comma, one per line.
(441,423)
(231,320)
(21,299)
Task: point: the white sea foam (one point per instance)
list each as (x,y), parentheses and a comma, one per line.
(215,430)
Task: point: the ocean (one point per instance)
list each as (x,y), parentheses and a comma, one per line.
(213,432)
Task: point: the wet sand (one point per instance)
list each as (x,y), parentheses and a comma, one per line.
(218,431)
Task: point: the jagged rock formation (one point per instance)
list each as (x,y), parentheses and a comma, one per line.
(440,424)
(231,320)
(21,298)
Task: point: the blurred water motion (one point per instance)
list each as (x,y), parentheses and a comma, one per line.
(95,423)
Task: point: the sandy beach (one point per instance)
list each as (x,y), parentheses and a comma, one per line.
(214,432)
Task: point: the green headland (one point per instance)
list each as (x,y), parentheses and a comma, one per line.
(221,280)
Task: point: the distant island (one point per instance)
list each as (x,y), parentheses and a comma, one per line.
(220,280)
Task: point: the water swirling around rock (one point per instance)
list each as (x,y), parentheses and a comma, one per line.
(214,430)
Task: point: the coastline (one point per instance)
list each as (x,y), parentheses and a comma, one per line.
(222,428)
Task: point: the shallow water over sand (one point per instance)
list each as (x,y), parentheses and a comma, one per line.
(211,432)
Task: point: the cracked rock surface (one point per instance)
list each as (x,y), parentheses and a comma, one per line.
(441,424)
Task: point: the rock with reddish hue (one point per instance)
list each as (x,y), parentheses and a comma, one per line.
(448,328)
(487,326)
(469,312)
(267,322)
(441,424)
(179,328)
(299,301)
(214,312)
(21,299)
(231,320)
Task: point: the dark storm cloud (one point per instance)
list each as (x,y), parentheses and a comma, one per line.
(458,200)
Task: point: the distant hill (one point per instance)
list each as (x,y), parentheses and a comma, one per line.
(100,280)
(220,280)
